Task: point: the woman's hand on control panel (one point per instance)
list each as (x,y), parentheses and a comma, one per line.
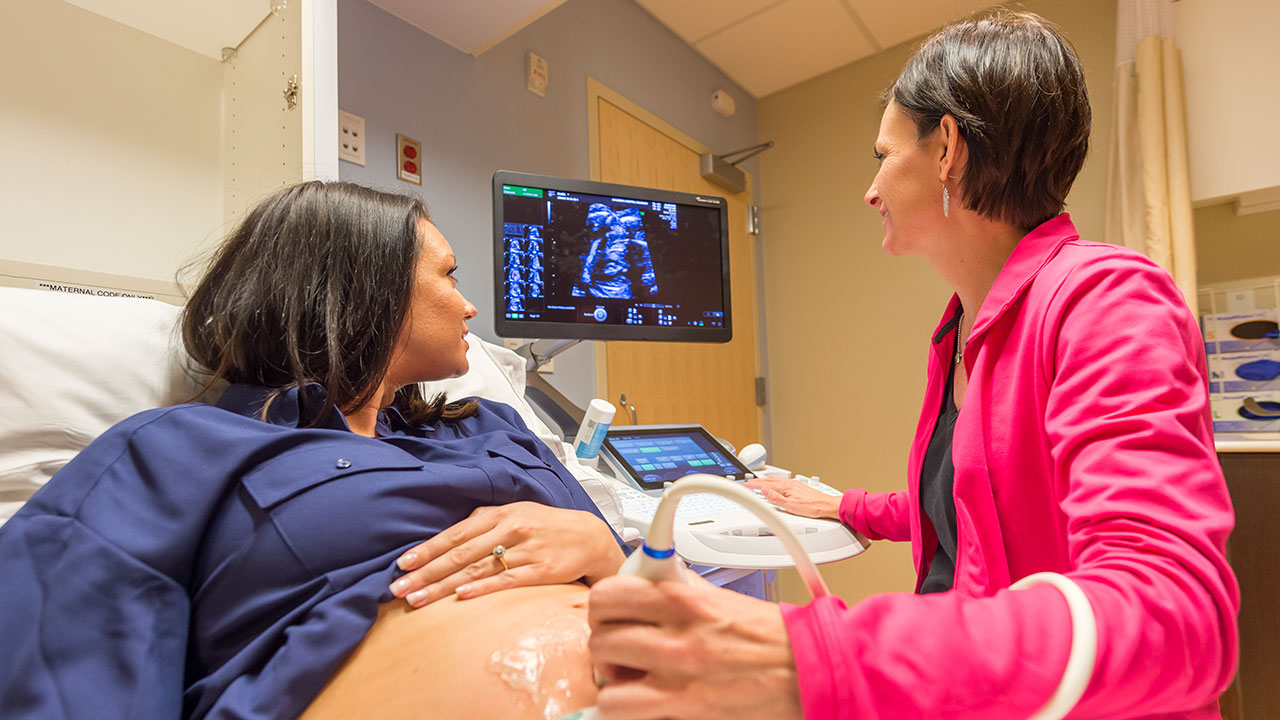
(796,497)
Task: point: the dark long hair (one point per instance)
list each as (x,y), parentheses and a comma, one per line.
(313,287)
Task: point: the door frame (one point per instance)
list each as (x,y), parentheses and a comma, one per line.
(597,91)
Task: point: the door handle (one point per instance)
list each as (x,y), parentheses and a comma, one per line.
(622,400)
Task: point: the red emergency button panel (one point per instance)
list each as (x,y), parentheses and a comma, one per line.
(407,160)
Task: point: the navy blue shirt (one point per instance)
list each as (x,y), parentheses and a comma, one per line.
(195,561)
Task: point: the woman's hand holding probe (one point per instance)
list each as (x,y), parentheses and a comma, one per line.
(524,543)
(796,497)
(670,650)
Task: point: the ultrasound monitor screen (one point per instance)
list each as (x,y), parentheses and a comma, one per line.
(578,259)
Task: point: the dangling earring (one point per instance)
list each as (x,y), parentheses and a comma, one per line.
(946,202)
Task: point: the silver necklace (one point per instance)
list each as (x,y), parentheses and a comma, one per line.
(959,332)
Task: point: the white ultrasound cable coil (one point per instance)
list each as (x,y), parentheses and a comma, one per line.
(656,559)
(1084,645)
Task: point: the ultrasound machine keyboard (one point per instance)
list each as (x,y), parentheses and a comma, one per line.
(717,532)
(637,504)
(691,507)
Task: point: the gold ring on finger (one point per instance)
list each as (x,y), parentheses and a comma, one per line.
(500,552)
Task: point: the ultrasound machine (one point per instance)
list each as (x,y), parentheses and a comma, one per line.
(579,260)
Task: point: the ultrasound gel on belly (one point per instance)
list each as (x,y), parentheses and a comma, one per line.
(523,667)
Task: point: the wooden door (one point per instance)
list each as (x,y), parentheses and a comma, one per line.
(708,383)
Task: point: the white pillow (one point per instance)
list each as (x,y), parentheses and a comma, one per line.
(74,365)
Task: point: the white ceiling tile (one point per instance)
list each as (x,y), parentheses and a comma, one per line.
(693,20)
(787,44)
(896,22)
(204,27)
(469,26)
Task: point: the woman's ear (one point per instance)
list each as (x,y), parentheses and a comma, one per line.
(955,151)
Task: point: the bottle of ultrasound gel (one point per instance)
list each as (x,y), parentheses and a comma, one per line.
(586,446)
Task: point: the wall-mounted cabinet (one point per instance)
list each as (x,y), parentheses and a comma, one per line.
(130,143)
(1230,58)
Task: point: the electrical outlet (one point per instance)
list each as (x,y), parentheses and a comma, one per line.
(350,137)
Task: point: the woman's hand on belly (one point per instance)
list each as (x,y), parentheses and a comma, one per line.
(543,545)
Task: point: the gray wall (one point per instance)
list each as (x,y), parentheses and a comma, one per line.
(474,116)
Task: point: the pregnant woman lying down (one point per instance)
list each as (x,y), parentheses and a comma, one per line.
(224,561)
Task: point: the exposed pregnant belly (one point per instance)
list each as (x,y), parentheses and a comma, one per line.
(519,653)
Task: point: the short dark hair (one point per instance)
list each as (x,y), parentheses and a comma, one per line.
(313,286)
(1016,89)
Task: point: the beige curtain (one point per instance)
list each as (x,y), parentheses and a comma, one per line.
(1148,185)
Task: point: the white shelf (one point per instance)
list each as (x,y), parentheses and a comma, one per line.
(1247,442)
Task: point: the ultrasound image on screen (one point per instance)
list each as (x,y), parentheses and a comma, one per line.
(618,265)
(581,258)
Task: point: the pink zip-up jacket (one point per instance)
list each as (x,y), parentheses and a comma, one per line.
(1084,447)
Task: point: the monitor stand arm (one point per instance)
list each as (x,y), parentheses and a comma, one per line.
(537,352)
(563,411)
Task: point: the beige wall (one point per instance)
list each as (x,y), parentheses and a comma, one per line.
(848,326)
(1236,247)
(111,141)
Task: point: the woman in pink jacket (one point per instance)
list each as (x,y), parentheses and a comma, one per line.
(1065,442)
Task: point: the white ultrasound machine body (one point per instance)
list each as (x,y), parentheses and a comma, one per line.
(710,530)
